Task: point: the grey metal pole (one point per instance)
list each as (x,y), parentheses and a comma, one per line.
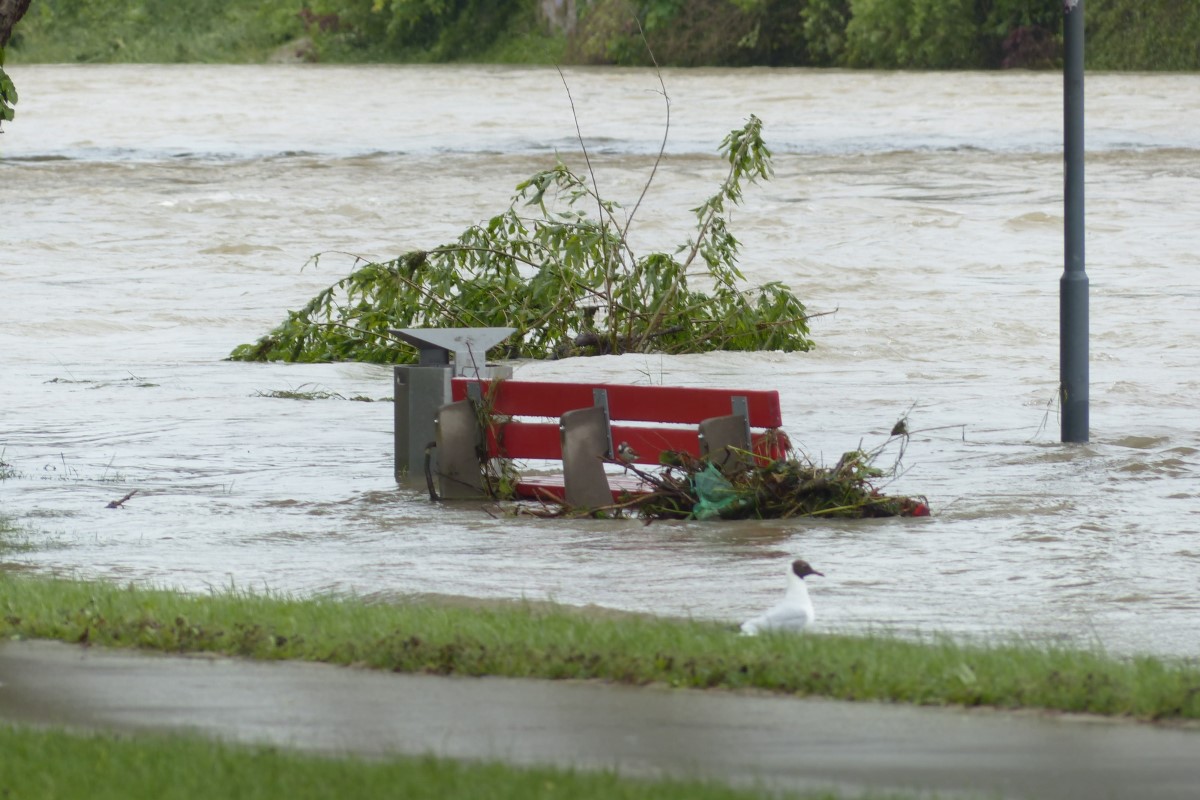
(1073,287)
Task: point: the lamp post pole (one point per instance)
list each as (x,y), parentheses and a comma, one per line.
(1073,287)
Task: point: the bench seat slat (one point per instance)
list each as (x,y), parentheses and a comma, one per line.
(676,404)
(550,487)
(540,440)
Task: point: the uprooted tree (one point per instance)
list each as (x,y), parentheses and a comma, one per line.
(568,281)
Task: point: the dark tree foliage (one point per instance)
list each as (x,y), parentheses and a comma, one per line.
(421,30)
(886,34)
(11,12)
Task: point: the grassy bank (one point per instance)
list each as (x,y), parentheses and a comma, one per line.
(543,641)
(117,31)
(52,765)
(876,34)
(256,31)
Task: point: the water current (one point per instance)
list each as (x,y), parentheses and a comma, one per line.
(153,217)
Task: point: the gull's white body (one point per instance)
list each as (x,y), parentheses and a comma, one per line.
(793,613)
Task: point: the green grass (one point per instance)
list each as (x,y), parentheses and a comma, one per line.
(229,31)
(199,31)
(526,48)
(53,765)
(545,641)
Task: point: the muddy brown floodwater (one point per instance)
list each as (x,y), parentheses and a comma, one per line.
(138,247)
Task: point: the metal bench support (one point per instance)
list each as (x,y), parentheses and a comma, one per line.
(725,440)
(419,392)
(586,442)
(423,389)
(458,464)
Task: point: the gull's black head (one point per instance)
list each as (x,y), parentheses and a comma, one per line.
(803,568)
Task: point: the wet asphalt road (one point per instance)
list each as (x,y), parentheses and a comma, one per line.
(778,742)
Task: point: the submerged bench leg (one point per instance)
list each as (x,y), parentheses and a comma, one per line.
(459,441)
(585,443)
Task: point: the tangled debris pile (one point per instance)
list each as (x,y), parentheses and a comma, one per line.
(777,490)
(696,489)
(758,488)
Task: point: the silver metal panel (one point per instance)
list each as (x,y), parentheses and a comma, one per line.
(585,443)
(742,406)
(600,400)
(418,393)
(457,464)
(718,435)
(469,345)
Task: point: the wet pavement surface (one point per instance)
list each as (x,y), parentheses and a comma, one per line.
(788,743)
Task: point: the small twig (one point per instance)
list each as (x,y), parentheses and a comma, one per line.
(433,495)
(464,248)
(666,132)
(591,172)
(961,426)
(1045,418)
(872,501)
(648,477)
(120,503)
(315,259)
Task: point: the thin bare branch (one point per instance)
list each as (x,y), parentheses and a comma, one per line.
(666,132)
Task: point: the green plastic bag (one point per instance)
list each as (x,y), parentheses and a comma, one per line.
(715,495)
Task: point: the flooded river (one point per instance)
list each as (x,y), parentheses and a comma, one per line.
(152,218)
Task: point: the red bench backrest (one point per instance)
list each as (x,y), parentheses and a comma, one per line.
(675,404)
(661,404)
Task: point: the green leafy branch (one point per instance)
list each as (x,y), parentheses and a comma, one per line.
(8,94)
(567,281)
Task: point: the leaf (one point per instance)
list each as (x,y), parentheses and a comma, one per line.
(8,94)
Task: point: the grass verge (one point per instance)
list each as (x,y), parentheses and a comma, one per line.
(232,32)
(528,640)
(202,31)
(53,765)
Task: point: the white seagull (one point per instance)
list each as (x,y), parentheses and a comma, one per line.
(794,612)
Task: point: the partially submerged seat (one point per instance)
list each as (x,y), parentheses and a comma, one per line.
(650,421)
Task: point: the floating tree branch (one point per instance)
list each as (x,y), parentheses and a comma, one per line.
(567,282)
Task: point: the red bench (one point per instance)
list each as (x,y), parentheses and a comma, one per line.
(589,425)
